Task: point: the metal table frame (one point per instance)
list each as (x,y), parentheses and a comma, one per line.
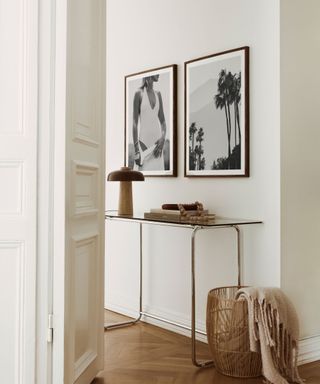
(194,229)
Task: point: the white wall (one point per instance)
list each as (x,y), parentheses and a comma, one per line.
(300,137)
(144,34)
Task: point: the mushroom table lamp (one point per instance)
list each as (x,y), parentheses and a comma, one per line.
(125,175)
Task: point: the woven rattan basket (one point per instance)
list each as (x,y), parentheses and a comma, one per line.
(228,334)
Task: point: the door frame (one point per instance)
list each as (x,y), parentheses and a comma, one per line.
(51,189)
(59,187)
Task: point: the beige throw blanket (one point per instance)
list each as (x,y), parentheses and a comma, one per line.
(274,331)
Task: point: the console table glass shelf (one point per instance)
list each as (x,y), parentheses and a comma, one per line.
(194,226)
(216,222)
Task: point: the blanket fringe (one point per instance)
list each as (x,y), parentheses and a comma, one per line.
(283,348)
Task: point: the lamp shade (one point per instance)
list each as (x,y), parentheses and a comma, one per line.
(125,174)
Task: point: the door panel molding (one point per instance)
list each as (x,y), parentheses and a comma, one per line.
(19,191)
(84,188)
(13,274)
(83,133)
(85,247)
(12,194)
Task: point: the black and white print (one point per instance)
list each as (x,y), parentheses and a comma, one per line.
(217,114)
(150,121)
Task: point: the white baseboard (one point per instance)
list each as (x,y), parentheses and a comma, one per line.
(175,317)
(309,348)
(121,309)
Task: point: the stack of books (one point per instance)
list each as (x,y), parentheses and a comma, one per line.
(175,215)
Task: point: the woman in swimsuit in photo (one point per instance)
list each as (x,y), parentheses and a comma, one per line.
(149,127)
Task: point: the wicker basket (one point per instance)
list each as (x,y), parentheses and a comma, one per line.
(228,334)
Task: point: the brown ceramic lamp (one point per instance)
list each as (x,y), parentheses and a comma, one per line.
(126,176)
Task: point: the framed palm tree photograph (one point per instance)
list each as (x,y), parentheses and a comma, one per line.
(217,115)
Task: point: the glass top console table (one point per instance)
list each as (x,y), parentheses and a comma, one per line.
(194,226)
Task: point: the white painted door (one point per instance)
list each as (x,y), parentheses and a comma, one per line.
(84,176)
(85,179)
(18,192)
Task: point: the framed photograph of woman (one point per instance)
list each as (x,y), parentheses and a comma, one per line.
(217,114)
(150,121)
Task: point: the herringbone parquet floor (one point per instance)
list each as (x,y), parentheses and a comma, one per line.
(145,354)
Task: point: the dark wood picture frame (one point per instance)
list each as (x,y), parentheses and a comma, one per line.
(140,118)
(216,100)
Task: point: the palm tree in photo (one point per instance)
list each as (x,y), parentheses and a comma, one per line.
(233,96)
(229,99)
(220,163)
(199,152)
(223,99)
(203,163)
(237,100)
(192,156)
(192,131)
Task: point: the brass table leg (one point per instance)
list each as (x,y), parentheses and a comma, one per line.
(195,362)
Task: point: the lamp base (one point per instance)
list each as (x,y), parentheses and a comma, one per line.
(125,198)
